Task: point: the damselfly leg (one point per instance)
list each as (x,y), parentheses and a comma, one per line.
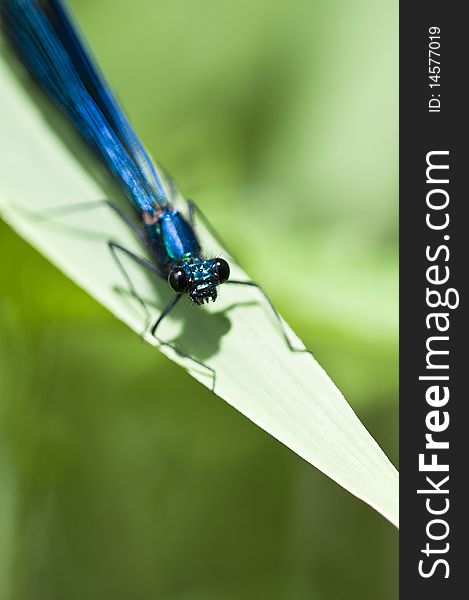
(118,249)
(114,247)
(146,264)
(165,312)
(195,210)
(274,311)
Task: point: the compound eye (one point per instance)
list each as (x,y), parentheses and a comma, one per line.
(222,269)
(177,279)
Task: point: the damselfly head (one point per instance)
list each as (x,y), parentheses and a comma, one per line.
(199,278)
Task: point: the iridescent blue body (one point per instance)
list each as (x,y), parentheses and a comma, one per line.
(174,245)
(44,37)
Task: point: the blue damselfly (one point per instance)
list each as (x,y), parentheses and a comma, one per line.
(42,34)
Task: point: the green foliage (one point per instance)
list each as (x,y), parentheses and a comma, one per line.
(120,474)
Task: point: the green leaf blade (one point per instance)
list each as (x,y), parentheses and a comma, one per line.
(43,165)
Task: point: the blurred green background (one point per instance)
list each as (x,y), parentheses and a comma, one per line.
(120,476)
